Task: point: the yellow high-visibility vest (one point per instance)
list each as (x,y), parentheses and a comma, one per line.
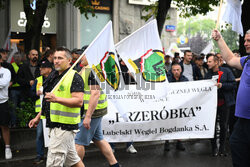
(60,113)
(101,108)
(38,106)
(16,68)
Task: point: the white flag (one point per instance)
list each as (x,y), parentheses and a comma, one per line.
(12,52)
(143,55)
(101,56)
(232,15)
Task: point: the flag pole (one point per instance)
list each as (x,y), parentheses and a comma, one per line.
(64,76)
(218,17)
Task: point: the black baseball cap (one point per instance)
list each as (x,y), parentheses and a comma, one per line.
(77,51)
(46,64)
(199,57)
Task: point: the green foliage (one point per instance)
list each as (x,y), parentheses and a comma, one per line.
(194,26)
(25,113)
(187,8)
(150,11)
(230,37)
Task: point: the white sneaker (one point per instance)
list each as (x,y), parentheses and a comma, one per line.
(131,149)
(8,153)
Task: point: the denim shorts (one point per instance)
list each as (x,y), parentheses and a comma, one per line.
(84,136)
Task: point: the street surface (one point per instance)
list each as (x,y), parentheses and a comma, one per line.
(197,154)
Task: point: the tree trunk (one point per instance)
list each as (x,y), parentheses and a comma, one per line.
(245,24)
(35,19)
(163,8)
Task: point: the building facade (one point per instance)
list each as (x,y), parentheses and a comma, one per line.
(66,26)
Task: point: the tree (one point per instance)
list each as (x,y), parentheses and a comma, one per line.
(198,43)
(194,26)
(187,8)
(231,38)
(193,7)
(35,18)
(198,32)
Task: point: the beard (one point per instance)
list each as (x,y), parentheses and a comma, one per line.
(34,59)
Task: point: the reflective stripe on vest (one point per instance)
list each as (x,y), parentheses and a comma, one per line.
(60,113)
(102,102)
(16,68)
(38,101)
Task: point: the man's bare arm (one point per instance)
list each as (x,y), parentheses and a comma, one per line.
(93,101)
(225,52)
(75,101)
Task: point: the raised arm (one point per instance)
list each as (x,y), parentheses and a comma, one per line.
(225,52)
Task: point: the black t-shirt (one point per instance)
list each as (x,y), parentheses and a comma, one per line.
(49,84)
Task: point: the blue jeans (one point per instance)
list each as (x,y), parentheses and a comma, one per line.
(15,96)
(240,143)
(39,139)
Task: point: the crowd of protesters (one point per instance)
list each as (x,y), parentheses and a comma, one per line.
(24,78)
(197,67)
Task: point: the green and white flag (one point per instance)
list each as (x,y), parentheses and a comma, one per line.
(101,56)
(143,55)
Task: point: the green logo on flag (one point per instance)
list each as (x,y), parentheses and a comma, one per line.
(108,70)
(151,65)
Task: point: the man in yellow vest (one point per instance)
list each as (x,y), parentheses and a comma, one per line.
(45,69)
(95,107)
(15,89)
(62,110)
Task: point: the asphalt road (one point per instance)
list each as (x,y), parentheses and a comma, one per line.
(197,154)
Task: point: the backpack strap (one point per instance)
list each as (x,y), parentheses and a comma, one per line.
(248,57)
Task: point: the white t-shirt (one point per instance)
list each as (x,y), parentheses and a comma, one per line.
(188,71)
(5,77)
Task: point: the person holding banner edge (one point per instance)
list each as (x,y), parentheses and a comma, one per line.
(45,69)
(62,110)
(175,75)
(240,138)
(95,107)
(226,85)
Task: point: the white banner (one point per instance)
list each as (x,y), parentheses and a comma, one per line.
(188,112)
